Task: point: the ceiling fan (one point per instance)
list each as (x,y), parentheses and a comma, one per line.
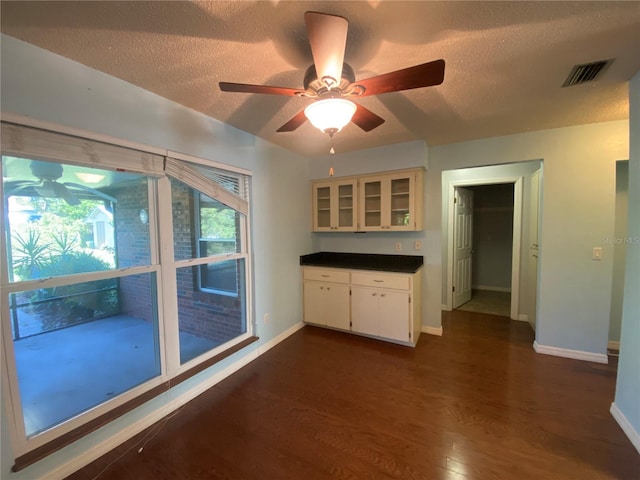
(331,81)
(48,186)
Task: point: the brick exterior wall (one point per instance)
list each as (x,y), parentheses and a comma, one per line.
(218,318)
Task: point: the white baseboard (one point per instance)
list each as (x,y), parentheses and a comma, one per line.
(613,345)
(523,317)
(84,458)
(432,330)
(626,426)
(491,289)
(568,353)
(283,336)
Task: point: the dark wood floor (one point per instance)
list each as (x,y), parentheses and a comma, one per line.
(476,403)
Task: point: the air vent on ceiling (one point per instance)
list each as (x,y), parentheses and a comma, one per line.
(589,72)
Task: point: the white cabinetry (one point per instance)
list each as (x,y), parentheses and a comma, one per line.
(334,205)
(381,305)
(390,201)
(326,297)
(384,305)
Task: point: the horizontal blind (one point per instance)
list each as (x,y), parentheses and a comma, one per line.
(227,188)
(37,144)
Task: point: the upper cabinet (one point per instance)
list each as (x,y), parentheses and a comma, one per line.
(391,201)
(334,205)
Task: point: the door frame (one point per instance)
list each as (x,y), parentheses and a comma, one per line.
(518,191)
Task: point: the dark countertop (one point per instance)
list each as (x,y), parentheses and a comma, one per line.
(364,261)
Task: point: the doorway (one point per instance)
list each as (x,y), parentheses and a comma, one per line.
(491,249)
(465,278)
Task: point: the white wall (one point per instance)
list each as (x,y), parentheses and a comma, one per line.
(577,214)
(48,87)
(626,408)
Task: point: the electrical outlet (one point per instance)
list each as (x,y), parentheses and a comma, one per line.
(266,319)
(398,246)
(417,245)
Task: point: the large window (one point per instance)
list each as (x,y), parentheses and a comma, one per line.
(75,312)
(108,291)
(210,250)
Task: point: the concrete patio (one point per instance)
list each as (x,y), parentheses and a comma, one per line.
(65,372)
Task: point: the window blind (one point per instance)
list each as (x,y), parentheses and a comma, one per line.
(38,144)
(227,188)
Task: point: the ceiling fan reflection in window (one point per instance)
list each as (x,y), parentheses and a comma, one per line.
(332,82)
(48,186)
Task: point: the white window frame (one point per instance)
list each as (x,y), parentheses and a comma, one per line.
(27,137)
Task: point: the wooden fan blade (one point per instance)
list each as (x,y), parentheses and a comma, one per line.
(366,119)
(246,88)
(418,76)
(328,39)
(294,123)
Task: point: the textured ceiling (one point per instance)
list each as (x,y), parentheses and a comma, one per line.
(505,61)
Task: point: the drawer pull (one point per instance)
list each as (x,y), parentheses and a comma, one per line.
(324,275)
(378,281)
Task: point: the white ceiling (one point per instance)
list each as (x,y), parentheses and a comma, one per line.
(505,61)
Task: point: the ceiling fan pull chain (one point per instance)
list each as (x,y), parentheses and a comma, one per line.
(332,153)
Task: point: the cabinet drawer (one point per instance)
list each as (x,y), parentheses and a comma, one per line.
(326,275)
(382,280)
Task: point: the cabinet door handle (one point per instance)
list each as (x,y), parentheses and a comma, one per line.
(374,294)
(382,294)
(328,288)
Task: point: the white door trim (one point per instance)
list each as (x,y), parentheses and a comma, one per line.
(518,182)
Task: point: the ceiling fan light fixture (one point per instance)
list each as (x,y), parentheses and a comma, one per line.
(331,114)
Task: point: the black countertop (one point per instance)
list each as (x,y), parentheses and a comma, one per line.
(364,261)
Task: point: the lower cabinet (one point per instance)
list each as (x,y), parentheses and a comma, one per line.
(382,313)
(379,304)
(326,304)
(327,298)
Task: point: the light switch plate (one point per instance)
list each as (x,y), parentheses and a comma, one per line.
(597,253)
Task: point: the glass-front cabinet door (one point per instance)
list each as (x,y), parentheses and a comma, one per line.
(400,202)
(322,207)
(391,202)
(372,204)
(334,205)
(346,205)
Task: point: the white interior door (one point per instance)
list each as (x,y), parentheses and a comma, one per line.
(463,245)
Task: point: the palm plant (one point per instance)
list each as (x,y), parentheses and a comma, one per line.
(31,255)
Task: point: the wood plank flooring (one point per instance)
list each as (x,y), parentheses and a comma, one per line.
(476,403)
